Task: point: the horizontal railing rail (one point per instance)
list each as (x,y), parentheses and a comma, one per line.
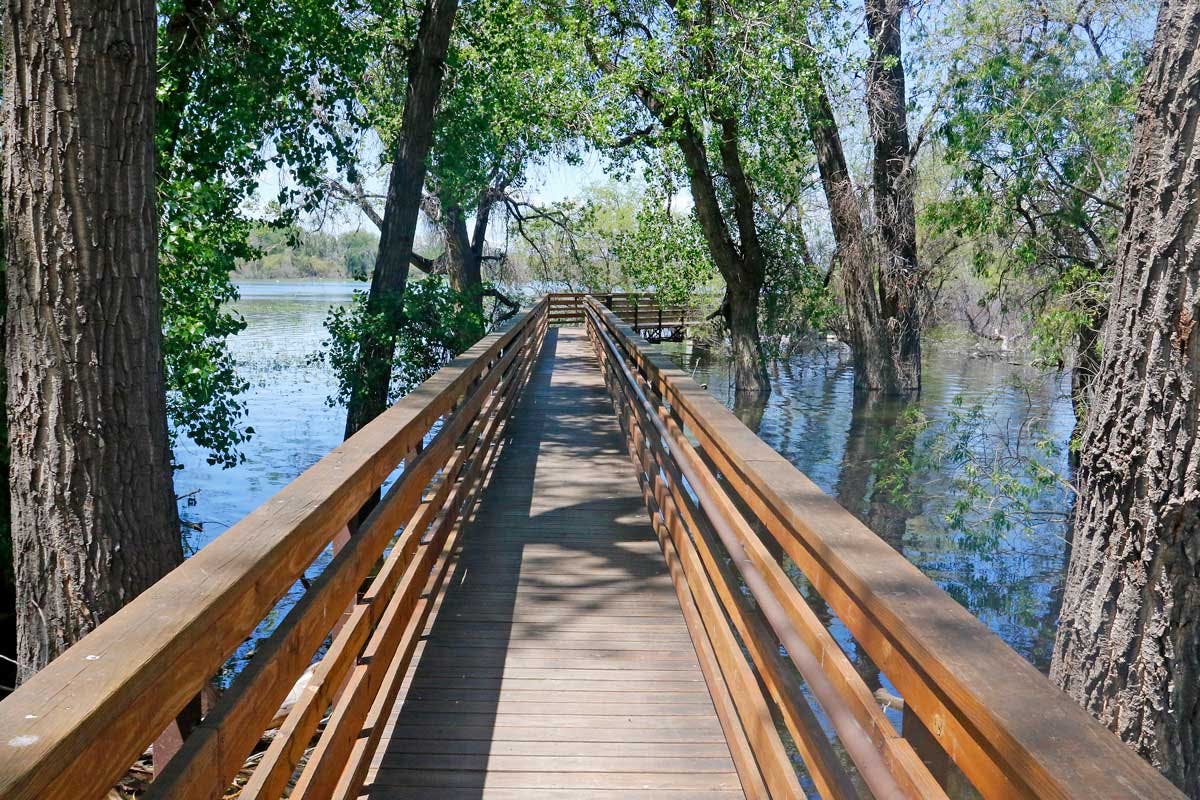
(73,730)
(717,495)
(641,310)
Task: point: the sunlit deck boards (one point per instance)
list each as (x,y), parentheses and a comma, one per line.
(558,665)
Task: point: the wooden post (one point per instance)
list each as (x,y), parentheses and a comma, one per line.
(925,742)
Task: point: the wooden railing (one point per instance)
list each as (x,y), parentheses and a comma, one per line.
(74,729)
(717,496)
(640,310)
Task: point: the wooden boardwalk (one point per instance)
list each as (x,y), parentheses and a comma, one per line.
(558,665)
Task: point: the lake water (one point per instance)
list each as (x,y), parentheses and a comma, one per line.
(1009,577)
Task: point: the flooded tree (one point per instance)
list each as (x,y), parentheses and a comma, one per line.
(1128,647)
(881,283)
(684,82)
(93,508)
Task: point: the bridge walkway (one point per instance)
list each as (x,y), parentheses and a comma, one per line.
(558,664)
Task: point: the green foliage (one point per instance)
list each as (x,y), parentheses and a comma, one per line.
(1000,480)
(434,325)
(512,96)
(572,245)
(728,78)
(796,300)
(1037,125)
(244,85)
(201,377)
(665,252)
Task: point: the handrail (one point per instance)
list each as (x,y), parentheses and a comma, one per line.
(709,481)
(643,310)
(74,728)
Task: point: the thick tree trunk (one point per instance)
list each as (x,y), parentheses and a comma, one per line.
(8,587)
(900,279)
(93,509)
(1128,645)
(749,369)
(426,65)
(462,268)
(744,269)
(868,346)
(875,313)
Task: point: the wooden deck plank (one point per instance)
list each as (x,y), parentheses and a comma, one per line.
(559,665)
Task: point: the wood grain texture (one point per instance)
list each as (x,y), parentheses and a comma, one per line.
(559,664)
(1012,732)
(72,730)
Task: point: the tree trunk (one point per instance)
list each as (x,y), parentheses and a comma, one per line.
(93,509)
(8,587)
(744,271)
(851,255)
(1128,645)
(425,69)
(900,280)
(871,309)
(461,266)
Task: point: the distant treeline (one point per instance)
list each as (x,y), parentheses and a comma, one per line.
(295,253)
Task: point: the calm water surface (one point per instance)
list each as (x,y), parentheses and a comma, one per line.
(1009,579)
(293,424)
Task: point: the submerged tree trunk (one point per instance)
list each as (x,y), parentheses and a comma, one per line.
(93,509)
(851,255)
(881,297)
(426,64)
(744,268)
(1128,645)
(900,279)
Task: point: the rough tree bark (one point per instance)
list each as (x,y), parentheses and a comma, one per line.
(1128,645)
(880,285)
(900,279)
(93,509)
(426,65)
(852,253)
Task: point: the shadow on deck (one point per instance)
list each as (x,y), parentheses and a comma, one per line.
(558,664)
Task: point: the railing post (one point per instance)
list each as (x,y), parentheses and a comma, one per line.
(926,745)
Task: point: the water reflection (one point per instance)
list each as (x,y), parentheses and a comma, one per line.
(294,425)
(850,446)
(1011,580)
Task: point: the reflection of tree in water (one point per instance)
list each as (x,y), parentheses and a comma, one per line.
(868,460)
(862,451)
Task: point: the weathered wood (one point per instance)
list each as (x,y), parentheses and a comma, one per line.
(555,643)
(395,635)
(245,710)
(641,309)
(887,763)
(283,754)
(779,608)
(999,720)
(516,665)
(73,729)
